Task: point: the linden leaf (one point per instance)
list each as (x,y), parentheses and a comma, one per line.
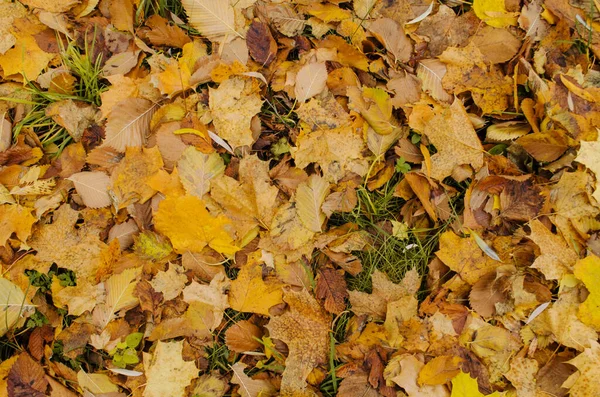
(167,373)
(453,135)
(190,227)
(214,19)
(588,271)
(92,187)
(310,81)
(305,329)
(463,385)
(233,105)
(310,196)
(250,293)
(15,219)
(196,169)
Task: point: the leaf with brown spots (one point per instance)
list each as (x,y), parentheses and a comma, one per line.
(331,289)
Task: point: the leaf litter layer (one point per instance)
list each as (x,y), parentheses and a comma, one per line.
(299,198)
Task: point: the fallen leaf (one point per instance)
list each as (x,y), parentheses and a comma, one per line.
(92,187)
(213,18)
(128,123)
(392,36)
(167,373)
(305,329)
(310,81)
(243,336)
(309,199)
(250,284)
(587,271)
(190,226)
(556,258)
(331,288)
(261,44)
(464,385)
(250,387)
(493,12)
(15,219)
(197,169)
(583,382)
(26,378)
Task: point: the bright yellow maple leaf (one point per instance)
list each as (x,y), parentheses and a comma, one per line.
(250,293)
(25,58)
(463,385)
(588,271)
(190,227)
(15,219)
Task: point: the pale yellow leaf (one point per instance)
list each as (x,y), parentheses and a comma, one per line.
(167,373)
(310,81)
(92,187)
(13,305)
(310,196)
(196,169)
(213,18)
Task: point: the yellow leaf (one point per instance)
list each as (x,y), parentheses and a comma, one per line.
(15,219)
(167,373)
(589,155)
(584,382)
(25,58)
(440,370)
(464,256)
(463,385)
(588,271)
(556,258)
(453,135)
(305,329)
(250,293)
(213,18)
(197,169)
(310,196)
(375,106)
(119,295)
(233,105)
(328,12)
(190,227)
(13,305)
(493,12)
(310,81)
(96,383)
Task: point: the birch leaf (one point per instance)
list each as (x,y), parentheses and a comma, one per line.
(92,186)
(213,18)
(309,199)
(12,305)
(128,123)
(431,72)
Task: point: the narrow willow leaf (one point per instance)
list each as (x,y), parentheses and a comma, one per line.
(310,196)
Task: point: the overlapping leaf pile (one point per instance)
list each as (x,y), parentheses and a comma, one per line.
(299,198)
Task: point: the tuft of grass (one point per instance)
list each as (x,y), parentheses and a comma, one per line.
(163,8)
(391,255)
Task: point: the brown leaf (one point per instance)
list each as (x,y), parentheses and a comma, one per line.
(261,44)
(150,300)
(27,378)
(331,287)
(164,34)
(242,337)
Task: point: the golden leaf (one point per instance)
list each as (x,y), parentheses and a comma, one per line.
(305,329)
(250,293)
(213,18)
(197,169)
(463,385)
(588,271)
(15,219)
(233,104)
(310,81)
(310,196)
(190,227)
(92,187)
(556,258)
(167,373)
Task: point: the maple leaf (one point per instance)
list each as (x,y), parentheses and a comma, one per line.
(556,258)
(190,227)
(453,135)
(15,219)
(464,385)
(249,285)
(384,291)
(465,257)
(79,249)
(233,104)
(167,373)
(305,329)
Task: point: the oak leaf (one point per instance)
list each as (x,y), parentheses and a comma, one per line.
(305,329)
(189,226)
